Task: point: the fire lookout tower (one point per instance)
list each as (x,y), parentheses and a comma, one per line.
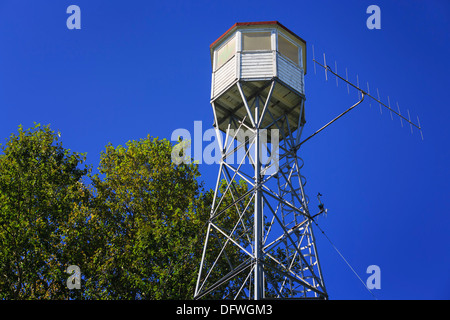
(258,101)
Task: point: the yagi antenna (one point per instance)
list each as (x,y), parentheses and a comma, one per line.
(378,94)
(335,68)
(368,91)
(314,58)
(363,94)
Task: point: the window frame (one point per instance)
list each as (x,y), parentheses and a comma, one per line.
(299,50)
(270,36)
(234,38)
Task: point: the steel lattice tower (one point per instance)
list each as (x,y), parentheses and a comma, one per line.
(259,238)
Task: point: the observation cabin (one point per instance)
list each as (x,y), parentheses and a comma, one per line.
(248,60)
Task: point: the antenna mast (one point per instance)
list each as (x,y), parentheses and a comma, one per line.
(364,93)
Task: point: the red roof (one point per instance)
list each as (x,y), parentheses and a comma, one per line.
(237,24)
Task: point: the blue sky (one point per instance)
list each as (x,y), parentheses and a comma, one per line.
(143,67)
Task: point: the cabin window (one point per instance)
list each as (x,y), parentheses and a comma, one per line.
(226,52)
(252,41)
(288,49)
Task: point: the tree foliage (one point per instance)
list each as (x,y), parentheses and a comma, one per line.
(135,228)
(40,184)
(152,212)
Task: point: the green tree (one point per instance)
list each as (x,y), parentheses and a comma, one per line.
(147,215)
(136,230)
(40,183)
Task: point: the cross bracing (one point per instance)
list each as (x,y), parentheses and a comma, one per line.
(259,239)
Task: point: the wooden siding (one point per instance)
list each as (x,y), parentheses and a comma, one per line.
(257,65)
(290,73)
(223,77)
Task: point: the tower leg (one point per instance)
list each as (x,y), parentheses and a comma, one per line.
(258,226)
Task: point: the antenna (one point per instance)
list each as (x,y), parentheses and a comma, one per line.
(357,82)
(368,91)
(401,122)
(378,94)
(346,77)
(364,93)
(314,58)
(389,103)
(335,68)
